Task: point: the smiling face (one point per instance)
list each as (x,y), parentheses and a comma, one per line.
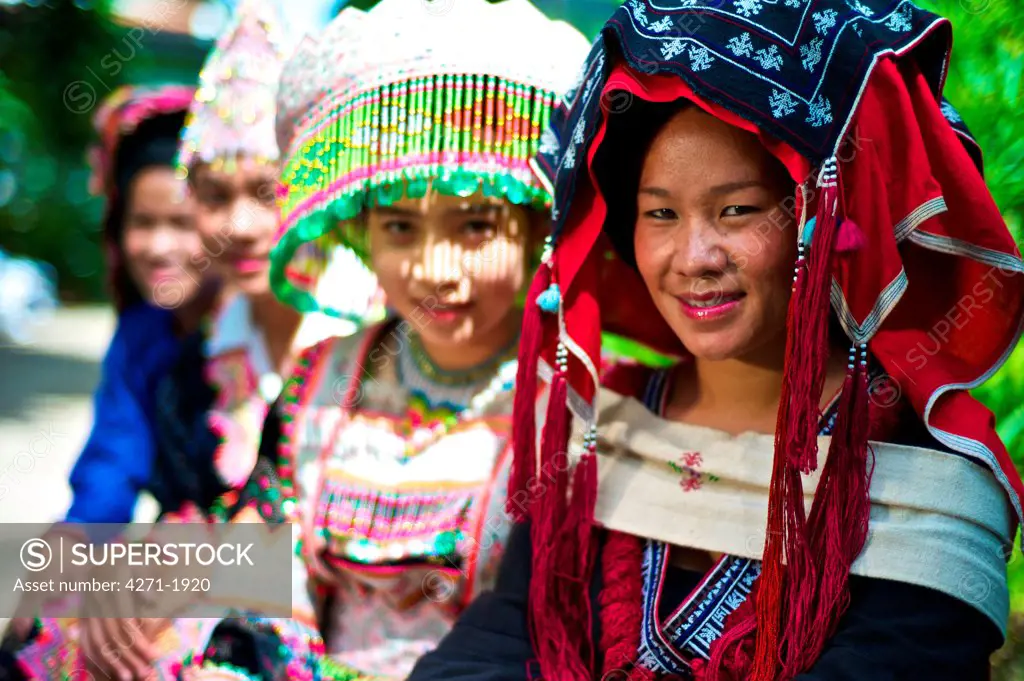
(160,241)
(715,249)
(237,218)
(451,266)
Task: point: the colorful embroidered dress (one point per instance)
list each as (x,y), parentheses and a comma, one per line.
(239,371)
(399,471)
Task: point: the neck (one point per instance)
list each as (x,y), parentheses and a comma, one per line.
(190,315)
(456,356)
(738,384)
(734,395)
(278,324)
(737,395)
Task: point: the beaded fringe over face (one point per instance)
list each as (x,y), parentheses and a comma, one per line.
(457,134)
(457,111)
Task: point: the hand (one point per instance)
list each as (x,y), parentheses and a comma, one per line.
(115,642)
(120,649)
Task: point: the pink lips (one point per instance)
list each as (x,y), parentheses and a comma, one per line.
(704,312)
(158,274)
(250,265)
(447,314)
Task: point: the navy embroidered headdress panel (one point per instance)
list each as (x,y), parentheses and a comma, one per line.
(795,68)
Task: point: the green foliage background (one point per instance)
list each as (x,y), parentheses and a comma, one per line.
(46,213)
(985,84)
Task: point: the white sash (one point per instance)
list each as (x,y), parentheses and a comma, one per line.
(937,520)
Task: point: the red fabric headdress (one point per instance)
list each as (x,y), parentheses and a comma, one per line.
(912,255)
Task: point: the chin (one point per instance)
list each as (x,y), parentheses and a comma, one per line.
(252,286)
(715,347)
(714,354)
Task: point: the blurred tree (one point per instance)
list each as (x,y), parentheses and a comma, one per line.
(54,81)
(59,59)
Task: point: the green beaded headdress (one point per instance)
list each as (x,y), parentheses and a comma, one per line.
(455,100)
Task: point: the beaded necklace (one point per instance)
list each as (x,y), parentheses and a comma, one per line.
(447,377)
(435,407)
(501,382)
(295,393)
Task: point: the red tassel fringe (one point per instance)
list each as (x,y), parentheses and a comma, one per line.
(838,523)
(559,622)
(850,237)
(524,428)
(576,545)
(621,603)
(786,603)
(733,653)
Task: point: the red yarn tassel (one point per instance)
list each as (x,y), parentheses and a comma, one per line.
(524,427)
(838,523)
(850,237)
(787,593)
(733,653)
(558,628)
(801,600)
(620,602)
(807,345)
(576,545)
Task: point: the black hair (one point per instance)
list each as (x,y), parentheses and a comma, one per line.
(619,162)
(154,142)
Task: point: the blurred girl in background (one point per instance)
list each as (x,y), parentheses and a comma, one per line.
(211,403)
(159,291)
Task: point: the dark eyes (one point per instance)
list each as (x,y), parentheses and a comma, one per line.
(739,211)
(727,212)
(149,221)
(479,229)
(213,198)
(473,229)
(661,214)
(141,221)
(397,227)
(267,194)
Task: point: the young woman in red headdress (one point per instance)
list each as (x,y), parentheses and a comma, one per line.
(780,197)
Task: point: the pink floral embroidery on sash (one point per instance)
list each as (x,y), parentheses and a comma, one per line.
(688,465)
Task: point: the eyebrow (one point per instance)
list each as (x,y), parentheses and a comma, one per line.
(730,187)
(397,212)
(212,180)
(719,189)
(476,209)
(655,191)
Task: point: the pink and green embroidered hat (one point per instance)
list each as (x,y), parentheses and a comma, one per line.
(448,96)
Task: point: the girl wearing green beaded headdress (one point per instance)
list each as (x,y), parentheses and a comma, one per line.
(393,445)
